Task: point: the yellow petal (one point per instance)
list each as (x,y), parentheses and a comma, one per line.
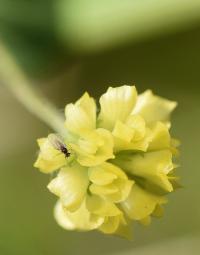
(160,137)
(70,185)
(153,108)
(49,159)
(110,182)
(103,190)
(141,203)
(151,166)
(123,131)
(102,207)
(137,123)
(124,188)
(141,145)
(110,224)
(99,176)
(81,219)
(110,171)
(131,135)
(116,104)
(81,116)
(102,141)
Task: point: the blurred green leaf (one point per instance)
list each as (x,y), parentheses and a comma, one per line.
(94,25)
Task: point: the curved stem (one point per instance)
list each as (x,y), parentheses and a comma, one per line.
(14,79)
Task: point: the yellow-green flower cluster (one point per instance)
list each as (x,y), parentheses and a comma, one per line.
(120,166)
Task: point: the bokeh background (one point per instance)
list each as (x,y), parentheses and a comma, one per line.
(66,47)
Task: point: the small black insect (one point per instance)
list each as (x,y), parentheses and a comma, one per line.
(57,142)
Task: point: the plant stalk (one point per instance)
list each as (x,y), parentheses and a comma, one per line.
(15,80)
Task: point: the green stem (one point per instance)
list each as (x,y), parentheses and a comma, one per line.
(15,80)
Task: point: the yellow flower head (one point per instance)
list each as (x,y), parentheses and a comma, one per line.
(114,167)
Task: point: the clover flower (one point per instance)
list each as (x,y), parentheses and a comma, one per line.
(120,167)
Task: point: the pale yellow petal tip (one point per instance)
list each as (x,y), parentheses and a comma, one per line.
(41,141)
(124,88)
(116,104)
(154,108)
(85,99)
(150,95)
(85,95)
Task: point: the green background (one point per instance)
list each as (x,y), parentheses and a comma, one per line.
(66,51)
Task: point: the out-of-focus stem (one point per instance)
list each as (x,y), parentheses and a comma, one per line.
(15,80)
